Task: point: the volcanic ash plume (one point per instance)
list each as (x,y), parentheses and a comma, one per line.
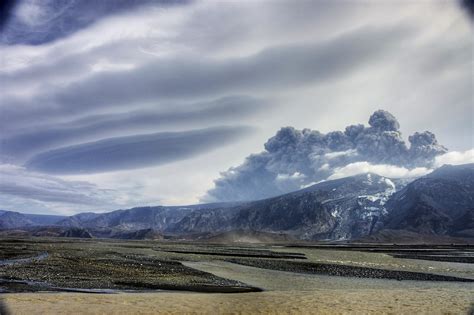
(296,158)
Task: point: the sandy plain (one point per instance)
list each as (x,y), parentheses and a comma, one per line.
(284,292)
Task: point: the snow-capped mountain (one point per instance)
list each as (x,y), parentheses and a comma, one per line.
(339,209)
(441,203)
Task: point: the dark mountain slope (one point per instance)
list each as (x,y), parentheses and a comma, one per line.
(441,203)
(339,209)
(157,218)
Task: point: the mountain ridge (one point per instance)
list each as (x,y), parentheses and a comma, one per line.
(440,203)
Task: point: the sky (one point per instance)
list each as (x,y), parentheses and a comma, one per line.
(119,104)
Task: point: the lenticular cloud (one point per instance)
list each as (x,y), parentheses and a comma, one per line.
(297,158)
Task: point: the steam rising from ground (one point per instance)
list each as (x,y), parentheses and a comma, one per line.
(297,158)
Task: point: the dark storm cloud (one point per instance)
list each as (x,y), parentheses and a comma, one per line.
(294,158)
(133,151)
(6,8)
(468,6)
(48,20)
(188,77)
(40,138)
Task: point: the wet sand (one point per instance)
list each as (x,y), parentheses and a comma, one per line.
(286,293)
(358,301)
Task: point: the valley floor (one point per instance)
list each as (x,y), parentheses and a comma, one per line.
(320,301)
(284,292)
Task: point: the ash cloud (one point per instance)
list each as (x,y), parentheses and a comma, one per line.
(296,158)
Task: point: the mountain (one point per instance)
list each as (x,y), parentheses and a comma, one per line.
(339,209)
(44,219)
(157,218)
(13,220)
(366,206)
(441,203)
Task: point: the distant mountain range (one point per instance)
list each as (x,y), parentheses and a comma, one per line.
(439,204)
(12,220)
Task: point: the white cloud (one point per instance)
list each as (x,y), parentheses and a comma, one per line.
(455,158)
(325,167)
(294,176)
(333,155)
(180,183)
(32,12)
(390,171)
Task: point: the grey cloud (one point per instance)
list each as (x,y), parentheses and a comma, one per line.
(68,63)
(17,182)
(424,146)
(42,194)
(58,19)
(190,76)
(249,181)
(274,67)
(384,121)
(34,139)
(197,32)
(132,152)
(115,78)
(278,19)
(302,157)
